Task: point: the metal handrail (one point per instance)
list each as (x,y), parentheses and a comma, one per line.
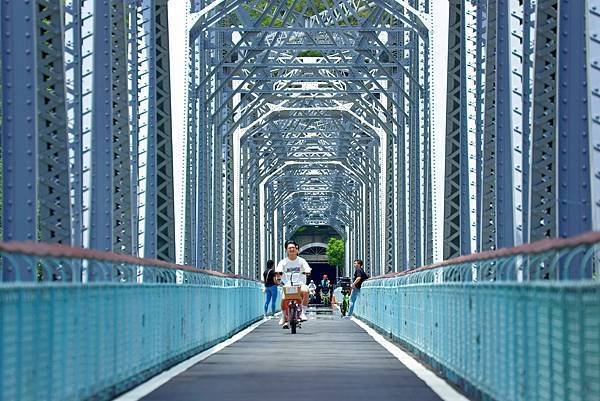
(42,262)
(560,259)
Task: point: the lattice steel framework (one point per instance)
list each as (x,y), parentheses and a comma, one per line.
(308,113)
(522,154)
(86,97)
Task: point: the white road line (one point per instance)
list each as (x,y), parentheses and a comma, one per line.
(438,385)
(149,386)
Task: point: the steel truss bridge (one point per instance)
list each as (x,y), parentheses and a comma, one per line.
(298,113)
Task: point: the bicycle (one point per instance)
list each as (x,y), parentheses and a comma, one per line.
(325,296)
(294,316)
(345,302)
(294,300)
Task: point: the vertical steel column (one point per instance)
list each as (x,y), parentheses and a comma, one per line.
(375,221)
(357,252)
(219,140)
(488,181)
(150,199)
(368,217)
(53,157)
(401,204)
(204,155)
(415,221)
(389,262)
(101,237)
(593,78)
(1,114)
(165,198)
(191,208)
(427,178)
(19,126)
(255,272)
(122,217)
(528,44)
(574,203)
(456,205)
(543,176)
(280,235)
(229,257)
(245,231)
(252,233)
(268,229)
(482,15)
(75,128)
(134,123)
(504,163)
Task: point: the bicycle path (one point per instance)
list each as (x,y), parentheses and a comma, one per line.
(327,360)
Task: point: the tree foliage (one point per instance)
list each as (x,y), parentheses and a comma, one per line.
(335,252)
(310,53)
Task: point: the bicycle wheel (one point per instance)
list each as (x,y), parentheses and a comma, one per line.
(293,314)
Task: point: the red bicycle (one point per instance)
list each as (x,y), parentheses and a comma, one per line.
(294,308)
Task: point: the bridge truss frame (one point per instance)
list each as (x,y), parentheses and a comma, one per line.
(86,133)
(308,113)
(523,132)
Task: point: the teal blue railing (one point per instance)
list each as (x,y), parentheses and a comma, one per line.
(93,325)
(517,324)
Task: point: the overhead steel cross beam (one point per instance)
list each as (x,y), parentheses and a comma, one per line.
(260,101)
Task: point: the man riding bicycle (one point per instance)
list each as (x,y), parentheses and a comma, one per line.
(293,271)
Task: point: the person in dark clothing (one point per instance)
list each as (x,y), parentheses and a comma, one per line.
(359,277)
(270,279)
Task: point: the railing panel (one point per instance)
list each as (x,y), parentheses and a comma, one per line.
(62,338)
(509,325)
(75,342)
(512,341)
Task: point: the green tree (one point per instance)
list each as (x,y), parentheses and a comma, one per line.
(335,253)
(310,53)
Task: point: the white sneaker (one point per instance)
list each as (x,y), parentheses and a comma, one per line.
(281,321)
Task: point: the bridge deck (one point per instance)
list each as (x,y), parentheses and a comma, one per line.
(326,360)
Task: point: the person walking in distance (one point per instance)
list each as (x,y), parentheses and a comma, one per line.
(270,279)
(359,277)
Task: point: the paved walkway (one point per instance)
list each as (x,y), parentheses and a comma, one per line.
(326,360)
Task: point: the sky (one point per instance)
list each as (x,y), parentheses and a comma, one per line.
(439,36)
(177,50)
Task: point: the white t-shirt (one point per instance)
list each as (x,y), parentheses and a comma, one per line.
(292,271)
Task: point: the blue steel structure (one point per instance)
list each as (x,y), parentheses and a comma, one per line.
(19,142)
(86,134)
(304,120)
(522,136)
(308,113)
(301,113)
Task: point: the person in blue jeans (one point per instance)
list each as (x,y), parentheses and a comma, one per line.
(359,277)
(270,279)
